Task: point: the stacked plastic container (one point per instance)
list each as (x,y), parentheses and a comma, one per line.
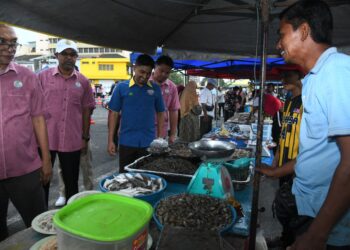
(103,221)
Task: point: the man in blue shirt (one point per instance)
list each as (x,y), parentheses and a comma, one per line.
(322,183)
(137,100)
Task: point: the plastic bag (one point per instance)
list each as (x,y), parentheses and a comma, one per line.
(159,143)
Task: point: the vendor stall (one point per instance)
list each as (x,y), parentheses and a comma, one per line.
(234,137)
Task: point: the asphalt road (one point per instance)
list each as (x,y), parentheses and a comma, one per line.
(104,165)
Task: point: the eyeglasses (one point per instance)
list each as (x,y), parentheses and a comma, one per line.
(12,44)
(73,54)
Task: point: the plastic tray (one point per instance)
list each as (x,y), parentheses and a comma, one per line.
(136,166)
(222,231)
(150,198)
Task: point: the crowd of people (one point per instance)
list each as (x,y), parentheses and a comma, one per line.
(47,115)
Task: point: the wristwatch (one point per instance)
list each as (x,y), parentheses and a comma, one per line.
(86,137)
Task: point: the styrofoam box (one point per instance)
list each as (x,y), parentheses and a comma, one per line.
(267,132)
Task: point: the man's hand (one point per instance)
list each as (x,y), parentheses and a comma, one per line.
(111,149)
(84,147)
(308,241)
(171,139)
(267,170)
(46,172)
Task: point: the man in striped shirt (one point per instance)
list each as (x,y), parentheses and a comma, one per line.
(287,151)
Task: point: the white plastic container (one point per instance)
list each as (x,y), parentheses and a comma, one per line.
(267,131)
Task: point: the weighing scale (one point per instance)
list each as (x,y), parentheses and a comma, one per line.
(212,178)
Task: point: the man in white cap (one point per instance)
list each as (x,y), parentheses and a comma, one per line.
(207,100)
(70,101)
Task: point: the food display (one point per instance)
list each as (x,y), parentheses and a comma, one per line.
(180,149)
(242,153)
(47,243)
(242,118)
(158,146)
(43,222)
(158,151)
(169,165)
(223,131)
(134,184)
(195,212)
(51,244)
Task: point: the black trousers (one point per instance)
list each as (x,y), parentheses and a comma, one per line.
(205,126)
(27,195)
(293,224)
(69,162)
(303,227)
(128,155)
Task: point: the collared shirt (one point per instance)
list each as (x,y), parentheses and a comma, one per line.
(138,104)
(206,97)
(325,97)
(21,100)
(65,100)
(171,101)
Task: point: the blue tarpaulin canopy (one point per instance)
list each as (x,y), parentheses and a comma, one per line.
(230,68)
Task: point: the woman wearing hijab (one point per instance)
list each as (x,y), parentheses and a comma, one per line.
(190,111)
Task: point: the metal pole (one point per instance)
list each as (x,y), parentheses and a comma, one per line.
(255,202)
(186,78)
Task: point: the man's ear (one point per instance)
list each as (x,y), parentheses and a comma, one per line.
(305,31)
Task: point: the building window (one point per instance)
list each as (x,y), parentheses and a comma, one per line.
(102,50)
(86,50)
(95,50)
(80,50)
(107,50)
(91,50)
(105,67)
(84,62)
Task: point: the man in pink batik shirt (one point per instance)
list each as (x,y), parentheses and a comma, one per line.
(22,129)
(162,70)
(69,101)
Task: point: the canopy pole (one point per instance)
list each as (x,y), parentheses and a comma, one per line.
(256,186)
(186,78)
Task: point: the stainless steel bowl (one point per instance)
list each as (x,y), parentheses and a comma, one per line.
(212,149)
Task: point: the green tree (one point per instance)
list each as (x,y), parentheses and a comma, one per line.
(176,77)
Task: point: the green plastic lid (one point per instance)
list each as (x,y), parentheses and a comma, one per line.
(104,217)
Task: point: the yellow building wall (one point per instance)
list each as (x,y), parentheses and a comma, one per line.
(105,68)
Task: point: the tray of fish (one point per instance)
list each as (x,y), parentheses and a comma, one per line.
(242,153)
(171,168)
(181,149)
(242,118)
(195,212)
(132,184)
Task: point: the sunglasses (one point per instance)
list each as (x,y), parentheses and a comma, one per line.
(11,44)
(73,54)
